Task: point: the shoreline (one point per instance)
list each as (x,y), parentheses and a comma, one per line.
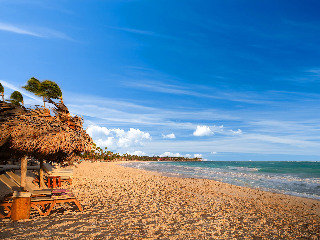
(161,174)
(124,203)
(274,191)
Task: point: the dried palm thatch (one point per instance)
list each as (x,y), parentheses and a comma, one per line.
(36,133)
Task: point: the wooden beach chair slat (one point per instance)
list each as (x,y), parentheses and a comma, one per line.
(17,180)
(9,183)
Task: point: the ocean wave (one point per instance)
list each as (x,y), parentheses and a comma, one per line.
(239,175)
(248,169)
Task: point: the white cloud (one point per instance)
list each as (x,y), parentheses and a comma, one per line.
(116,138)
(137,153)
(170,136)
(132,137)
(198,155)
(96,131)
(202,131)
(207,130)
(109,142)
(170,154)
(237,132)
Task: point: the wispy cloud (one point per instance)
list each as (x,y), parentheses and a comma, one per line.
(314,73)
(51,33)
(146,79)
(36,32)
(239,131)
(154,81)
(144,32)
(156,86)
(169,136)
(259,144)
(314,26)
(118,112)
(305,76)
(19,30)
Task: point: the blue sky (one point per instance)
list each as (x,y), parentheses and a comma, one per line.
(230,80)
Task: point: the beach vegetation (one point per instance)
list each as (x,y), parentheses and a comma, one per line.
(49,89)
(33,85)
(98,154)
(46,89)
(16,98)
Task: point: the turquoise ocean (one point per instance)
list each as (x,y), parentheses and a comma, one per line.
(294,178)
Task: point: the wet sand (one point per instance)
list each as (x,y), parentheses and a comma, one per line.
(126,203)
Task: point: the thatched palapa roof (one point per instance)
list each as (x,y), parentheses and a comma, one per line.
(35,132)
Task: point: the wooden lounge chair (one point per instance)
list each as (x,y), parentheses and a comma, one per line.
(14,186)
(44,205)
(42,202)
(17,179)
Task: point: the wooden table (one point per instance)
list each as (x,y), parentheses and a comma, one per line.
(54,181)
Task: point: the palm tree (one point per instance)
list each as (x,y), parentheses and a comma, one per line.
(2,91)
(16,98)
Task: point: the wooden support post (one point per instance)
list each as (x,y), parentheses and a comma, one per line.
(41,175)
(24,163)
(21,204)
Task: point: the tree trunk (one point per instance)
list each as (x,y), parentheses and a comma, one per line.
(44,103)
(2,96)
(41,175)
(24,162)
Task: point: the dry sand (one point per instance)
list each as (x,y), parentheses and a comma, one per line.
(125,203)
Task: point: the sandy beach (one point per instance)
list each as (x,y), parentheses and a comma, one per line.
(126,203)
